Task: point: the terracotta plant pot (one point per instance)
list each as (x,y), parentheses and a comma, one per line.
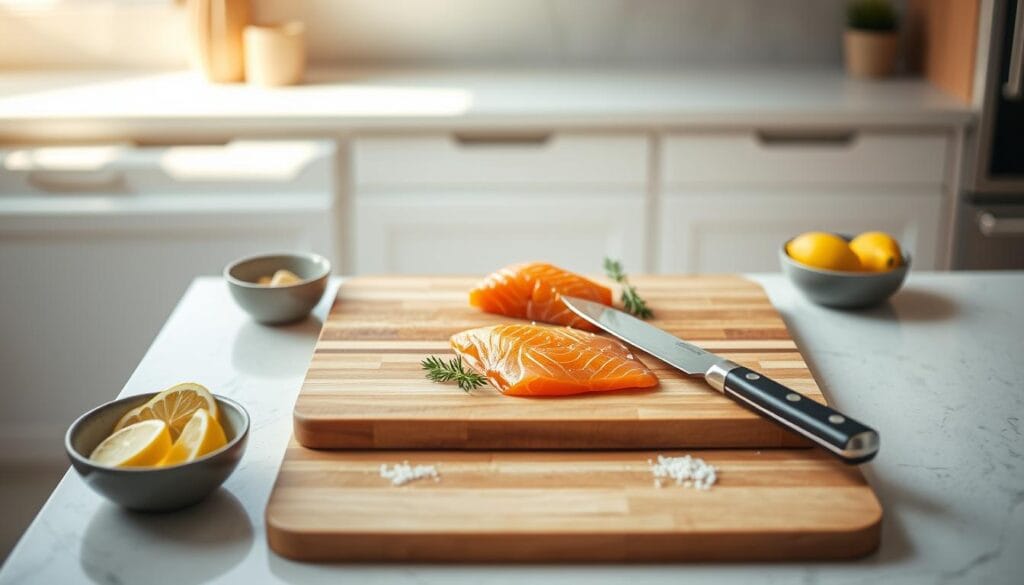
(870,54)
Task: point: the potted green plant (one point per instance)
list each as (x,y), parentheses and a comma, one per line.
(871,39)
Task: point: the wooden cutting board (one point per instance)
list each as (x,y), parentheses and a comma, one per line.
(779,504)
(365,388)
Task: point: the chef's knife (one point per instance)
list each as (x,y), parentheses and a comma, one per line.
(841,435)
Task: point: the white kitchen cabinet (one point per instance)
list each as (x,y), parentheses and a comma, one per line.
(93,260)
(742,230)
(481,159)
(82,300)
(728,200)
(446,233)
(468,204)
(801,157)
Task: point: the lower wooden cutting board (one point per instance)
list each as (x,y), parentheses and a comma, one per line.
(568,506)
(365,388)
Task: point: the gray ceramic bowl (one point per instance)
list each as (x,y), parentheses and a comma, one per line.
(160,488)
(274,305)
(843,290)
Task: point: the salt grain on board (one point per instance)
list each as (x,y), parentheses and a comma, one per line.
(403,473)
(685,471)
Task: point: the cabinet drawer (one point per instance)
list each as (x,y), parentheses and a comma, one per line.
(126,172)
(505,159)
(742,230)
(745,158)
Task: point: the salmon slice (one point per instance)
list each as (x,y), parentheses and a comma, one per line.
(539,360)
(533,291)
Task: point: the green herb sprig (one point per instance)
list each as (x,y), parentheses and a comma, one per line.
(630,298)
(439,370)
(872,15)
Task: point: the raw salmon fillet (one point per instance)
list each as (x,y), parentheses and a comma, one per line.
(533,291)
(540,360)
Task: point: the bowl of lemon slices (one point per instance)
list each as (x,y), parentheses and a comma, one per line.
(159,451)
(843,272)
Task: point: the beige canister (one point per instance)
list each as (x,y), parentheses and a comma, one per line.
(275,55)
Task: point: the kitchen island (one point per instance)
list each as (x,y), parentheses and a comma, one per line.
(937,371)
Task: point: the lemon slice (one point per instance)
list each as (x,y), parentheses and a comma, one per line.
(284,278)
(139,445)
(202,435)
(175,406)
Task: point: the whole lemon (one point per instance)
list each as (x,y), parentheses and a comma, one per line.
(823,250)
(878,251)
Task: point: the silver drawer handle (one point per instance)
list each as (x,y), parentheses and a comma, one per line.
(812,138)
(77,181)
(501,139)
(990,225)
(1012,89)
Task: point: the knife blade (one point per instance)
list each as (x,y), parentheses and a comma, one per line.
(846,438)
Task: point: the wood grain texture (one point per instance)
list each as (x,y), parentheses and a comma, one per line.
(946,32)
(365,389)
(568,506)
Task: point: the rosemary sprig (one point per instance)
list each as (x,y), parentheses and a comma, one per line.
(453,370)
(630,298)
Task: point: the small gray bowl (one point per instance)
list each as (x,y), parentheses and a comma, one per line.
(275,305)
(843,290)
(158,488)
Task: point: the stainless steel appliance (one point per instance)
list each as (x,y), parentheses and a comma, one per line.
(991,220)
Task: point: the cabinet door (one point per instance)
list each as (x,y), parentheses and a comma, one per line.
(468,204)
(84,297)
(742,231)
(422,233)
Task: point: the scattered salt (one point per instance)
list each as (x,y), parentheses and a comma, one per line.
(403,473)
(686,471)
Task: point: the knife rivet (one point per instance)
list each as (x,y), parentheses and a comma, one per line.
(752,376)
(792,397)
(836,419)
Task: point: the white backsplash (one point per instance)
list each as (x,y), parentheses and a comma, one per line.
(577,32)
(655,33)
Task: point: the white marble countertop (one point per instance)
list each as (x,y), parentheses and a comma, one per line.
(167,105)
(938,371)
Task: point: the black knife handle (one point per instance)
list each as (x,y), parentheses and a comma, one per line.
(841,435)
